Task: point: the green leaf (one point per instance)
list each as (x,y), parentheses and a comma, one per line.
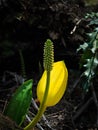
(89,72)
(86,55)
(83,47)
(95,21)
(20,102)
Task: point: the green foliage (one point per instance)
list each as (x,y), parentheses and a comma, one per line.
(20,102)
(89,58)
(94,18)
(23,71)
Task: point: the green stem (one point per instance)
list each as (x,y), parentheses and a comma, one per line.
(23,70)
(42,107)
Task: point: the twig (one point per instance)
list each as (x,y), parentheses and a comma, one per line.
(79,112)
(6,123)
(76,84)
(38,125)
(43,117)
(95,101)
(15,77)
(74,29)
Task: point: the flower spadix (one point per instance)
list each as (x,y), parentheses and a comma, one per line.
(57,86)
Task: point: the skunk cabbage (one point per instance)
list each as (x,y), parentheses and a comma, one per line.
(58,83)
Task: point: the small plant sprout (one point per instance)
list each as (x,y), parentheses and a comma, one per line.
(52,84)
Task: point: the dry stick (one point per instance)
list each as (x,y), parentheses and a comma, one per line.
(42,107)
(38,125)
(79,112)
(43,116)
(76,84)
(6,123)
(95,101)
(74,29)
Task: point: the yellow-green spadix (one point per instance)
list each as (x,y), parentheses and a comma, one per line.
(58,83)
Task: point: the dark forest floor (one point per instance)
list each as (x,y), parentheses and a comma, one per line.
(28,29)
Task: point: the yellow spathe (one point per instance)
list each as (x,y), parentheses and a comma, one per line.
(58,83)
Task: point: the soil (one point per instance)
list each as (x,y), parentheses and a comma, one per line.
(27,29)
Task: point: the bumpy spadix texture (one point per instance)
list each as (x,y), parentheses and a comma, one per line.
(57,87)
(48,55)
